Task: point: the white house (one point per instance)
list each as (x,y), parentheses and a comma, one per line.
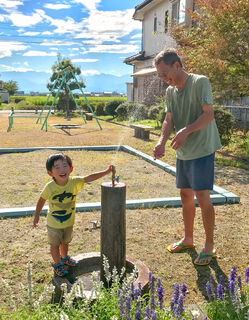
(156,16)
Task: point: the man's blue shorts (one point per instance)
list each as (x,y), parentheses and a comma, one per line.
(196,174)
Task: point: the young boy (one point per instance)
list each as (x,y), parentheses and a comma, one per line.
(61,194)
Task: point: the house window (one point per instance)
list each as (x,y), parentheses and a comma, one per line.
(178,11)
(166,21)
(155,24)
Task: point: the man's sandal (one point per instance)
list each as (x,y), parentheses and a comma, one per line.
(69,261)
(178,247)
(59,269)
(207,257)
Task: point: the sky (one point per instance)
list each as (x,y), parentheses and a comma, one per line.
(97,35)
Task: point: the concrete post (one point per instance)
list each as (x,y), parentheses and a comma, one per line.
(113,228)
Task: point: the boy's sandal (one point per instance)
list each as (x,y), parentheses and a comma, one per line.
(69,261)
(59,269)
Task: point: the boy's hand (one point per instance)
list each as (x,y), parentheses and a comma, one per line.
(35,223)
(110,168)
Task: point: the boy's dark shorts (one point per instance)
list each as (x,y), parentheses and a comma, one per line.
(196,174)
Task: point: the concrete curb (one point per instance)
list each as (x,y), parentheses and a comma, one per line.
(220,196)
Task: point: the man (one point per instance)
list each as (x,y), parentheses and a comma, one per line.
(189,110)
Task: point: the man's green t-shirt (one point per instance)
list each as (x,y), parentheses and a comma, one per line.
(62,202)
(185,105)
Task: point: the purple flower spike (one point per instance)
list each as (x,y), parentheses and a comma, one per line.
(233,273)
(127,306)
(152,280)
(209,290)
(231,287)
(147,312)
(153,315)
(179,309)
(176,293)
(221,279)
(121,306)
(159,293)
(247,275)
(132,288)
(220,292)
(138,315)
(152,302)
(183,289)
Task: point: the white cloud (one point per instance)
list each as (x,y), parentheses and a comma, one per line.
(6,48)
(56,6)
(89,4)
(46,71)
(85,60)
(10,4)
(138,35)
(90,72)
(115,48)
(67,25)
(47,33)
(10,68)
(22,20)
(33,53)
(111,27)
(58,43)
(112,23)
(31,33)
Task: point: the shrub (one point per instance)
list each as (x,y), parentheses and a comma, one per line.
(138,112)
(110,107)
(154,112)
(100,108)
(157,110)
(122,111)
(225,124)
(18,100)
(23,105)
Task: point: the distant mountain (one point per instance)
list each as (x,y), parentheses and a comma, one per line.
(37,81)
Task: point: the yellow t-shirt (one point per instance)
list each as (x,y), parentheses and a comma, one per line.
(62,202)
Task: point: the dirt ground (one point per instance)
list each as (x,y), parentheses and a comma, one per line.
(149,231)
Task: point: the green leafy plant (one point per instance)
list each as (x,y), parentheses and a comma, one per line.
(111,106)
(225,124)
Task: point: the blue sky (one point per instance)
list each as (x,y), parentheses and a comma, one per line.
(96,35)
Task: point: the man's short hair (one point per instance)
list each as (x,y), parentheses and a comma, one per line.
(58,156)
(169,56)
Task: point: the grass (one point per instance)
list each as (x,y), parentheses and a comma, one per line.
(149,231)
(239,145)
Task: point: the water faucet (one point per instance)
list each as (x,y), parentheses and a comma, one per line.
(114,178)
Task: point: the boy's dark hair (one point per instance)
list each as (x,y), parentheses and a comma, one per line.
(169,56)
(58,156)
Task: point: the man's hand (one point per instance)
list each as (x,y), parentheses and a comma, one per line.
(179,139)
(159,151)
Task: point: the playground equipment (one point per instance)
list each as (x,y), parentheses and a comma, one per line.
(62,76)
(22,114)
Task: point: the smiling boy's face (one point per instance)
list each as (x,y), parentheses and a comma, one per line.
(60,171)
